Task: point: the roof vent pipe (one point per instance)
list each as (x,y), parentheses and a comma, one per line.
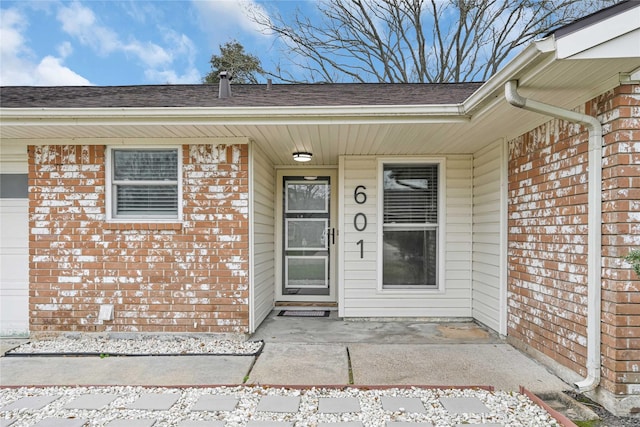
(224,88)
(269,83)
(594,238)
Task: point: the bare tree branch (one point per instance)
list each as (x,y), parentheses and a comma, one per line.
(411,40)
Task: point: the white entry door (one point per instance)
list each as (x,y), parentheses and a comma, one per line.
(306,235)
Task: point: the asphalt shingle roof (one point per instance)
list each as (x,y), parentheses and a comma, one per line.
(201,95)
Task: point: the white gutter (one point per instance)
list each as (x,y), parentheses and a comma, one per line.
(594,262)
(537,54)
(434,113)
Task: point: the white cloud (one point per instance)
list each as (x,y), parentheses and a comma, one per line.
(149,53)
(12,24)
(51,72)
(81,22)
(191,76)
(65,49)
(78,20)
(19,63)
(164,54)
(183,47)
(227,16)
(227,20)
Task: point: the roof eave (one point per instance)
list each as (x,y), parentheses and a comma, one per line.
(235,115)
(534,57)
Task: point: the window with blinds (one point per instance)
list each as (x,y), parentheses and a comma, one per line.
(144,183)
(410,225)
(411,194)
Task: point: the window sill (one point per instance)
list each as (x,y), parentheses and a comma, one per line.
(409,291)
(143,226)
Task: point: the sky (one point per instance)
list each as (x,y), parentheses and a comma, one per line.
(126,42)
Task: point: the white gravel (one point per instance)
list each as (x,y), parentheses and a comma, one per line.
(508,409)
(152,345)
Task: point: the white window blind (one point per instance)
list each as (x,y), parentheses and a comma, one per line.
(411,194)
(145,183)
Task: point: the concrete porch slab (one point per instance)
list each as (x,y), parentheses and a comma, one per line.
(499,365)
(294,364)
(331,330)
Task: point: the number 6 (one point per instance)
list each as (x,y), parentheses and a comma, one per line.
(359,195)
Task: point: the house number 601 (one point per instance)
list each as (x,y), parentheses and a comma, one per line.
(360,219)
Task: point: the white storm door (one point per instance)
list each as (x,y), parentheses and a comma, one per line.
(307,236)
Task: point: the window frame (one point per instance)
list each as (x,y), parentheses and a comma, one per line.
(440,225)
(110,191)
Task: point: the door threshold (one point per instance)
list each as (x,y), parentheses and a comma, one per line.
(306,305)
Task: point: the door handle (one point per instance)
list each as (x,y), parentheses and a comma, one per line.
(332,234)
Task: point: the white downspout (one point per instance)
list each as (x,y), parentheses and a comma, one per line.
(594,262)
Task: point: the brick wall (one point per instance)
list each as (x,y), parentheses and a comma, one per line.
(619,110)
(547,274)
(161,277)
(547,244)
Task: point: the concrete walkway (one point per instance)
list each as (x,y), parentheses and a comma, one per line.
(313,352)
(151,371)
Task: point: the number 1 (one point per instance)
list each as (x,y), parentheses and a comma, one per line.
(361,244)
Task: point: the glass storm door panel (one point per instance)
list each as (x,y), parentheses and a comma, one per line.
(307,236)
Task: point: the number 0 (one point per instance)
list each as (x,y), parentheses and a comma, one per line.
(356,225)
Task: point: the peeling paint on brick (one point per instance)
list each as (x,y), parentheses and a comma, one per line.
(159,278)
(547,237)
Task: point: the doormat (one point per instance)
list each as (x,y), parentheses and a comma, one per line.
(304,313)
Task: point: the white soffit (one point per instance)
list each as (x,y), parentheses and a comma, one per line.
(615,37)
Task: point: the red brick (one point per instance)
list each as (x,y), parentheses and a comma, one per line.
(542,200)
(148,270)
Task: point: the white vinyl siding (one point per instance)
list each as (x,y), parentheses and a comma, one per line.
(361,295)
(487,264)
(263,260)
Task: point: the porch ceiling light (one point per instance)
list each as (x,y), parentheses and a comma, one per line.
(302,156)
